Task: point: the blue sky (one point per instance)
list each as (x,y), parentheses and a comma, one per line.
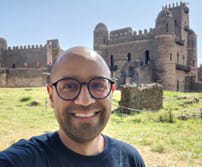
(27,22)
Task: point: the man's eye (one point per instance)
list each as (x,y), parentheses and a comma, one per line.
(70,86)
(97,86)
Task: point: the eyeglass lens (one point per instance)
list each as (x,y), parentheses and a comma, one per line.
(70,88)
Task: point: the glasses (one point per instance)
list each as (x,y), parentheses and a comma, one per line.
(70,88)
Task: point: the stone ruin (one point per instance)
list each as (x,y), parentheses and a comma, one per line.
(144,97)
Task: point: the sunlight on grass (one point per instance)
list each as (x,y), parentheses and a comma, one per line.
(25,112)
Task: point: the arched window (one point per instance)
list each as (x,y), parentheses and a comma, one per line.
(13,66)
(112,60)
(178,58)
(129,57)
(147,57)
(193,63)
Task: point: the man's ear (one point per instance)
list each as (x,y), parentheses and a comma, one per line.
(50,94)
(113,88)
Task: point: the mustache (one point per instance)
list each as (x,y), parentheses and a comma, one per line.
(72,108)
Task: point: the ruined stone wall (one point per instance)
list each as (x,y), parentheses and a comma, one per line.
(25,57)
(149,97)
(21,78)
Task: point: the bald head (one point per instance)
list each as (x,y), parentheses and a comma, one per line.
(76,59)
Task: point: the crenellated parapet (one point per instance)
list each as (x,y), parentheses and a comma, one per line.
(127,35)
(144,35)
(175,5)
(25,47)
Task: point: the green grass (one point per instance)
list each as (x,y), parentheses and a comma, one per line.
(25,112)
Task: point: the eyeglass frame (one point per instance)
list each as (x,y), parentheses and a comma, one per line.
(81,85)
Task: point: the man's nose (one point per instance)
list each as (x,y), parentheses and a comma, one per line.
(84,97)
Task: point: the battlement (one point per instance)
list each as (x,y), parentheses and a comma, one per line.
(127,34)
(28,47)
(175,5)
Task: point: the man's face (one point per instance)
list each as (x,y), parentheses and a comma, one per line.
(84,118)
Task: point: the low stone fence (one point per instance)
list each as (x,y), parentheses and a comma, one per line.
(135,98)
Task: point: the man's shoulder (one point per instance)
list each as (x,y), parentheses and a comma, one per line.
(121,145)
(27,150)
(127,151)
(34,141)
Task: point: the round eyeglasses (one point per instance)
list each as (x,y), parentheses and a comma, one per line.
(70,88)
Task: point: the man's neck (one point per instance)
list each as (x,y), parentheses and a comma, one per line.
(92,147)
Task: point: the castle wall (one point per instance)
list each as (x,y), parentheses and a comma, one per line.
(21,78)
(136,49)
(24,57)
(3,78)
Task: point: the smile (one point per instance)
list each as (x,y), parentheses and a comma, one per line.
(84,115)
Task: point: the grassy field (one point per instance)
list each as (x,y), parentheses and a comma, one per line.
(161,138)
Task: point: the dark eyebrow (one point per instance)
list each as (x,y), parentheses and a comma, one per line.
(77,78)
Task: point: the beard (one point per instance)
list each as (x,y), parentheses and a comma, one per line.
(86,131)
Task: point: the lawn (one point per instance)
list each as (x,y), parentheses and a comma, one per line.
(161,138)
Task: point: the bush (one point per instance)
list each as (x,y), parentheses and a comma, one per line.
(24,99)
(34,103)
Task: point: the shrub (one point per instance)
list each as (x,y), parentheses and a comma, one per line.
(24,99)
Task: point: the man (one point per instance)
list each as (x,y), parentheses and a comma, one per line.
(81,95)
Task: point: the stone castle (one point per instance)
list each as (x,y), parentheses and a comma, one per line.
(26,65)
(166,54)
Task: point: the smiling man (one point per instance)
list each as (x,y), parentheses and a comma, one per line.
(81,95)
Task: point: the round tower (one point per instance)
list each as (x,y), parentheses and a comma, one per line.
(164,43)
(100,35)
(165,23)
(192,52)
(3,46)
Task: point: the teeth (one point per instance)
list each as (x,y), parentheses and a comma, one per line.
(84,115)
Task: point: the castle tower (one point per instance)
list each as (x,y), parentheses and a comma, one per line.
(101,39)
(192,53)
(164,44)
(100,34)
(3,46)
(53,50)
(181,19)
(175,47)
